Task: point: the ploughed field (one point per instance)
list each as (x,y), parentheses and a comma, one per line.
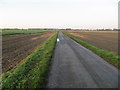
(107,40)
(17,47)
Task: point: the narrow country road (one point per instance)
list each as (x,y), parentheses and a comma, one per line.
(74,66)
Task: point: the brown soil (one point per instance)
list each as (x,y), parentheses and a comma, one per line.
(41,36)
(16,47)
(107,40)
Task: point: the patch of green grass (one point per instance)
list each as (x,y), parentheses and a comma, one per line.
(13,32)
(108,56)
(0,32)
(32,71)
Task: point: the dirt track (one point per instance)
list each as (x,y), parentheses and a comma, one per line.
(107,40)
(17,47)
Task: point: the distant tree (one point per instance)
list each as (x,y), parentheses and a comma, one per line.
(68,28)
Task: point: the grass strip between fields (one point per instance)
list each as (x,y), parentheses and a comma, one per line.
(33,70)
(108,56)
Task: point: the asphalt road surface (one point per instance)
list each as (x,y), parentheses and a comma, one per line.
(74,66)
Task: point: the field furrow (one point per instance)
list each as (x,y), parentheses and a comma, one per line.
(17,47)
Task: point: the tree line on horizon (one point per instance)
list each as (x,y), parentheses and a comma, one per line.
(60,29)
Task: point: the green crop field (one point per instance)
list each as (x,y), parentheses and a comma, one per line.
(13,32)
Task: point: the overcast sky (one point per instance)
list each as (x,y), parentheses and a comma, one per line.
(59,13)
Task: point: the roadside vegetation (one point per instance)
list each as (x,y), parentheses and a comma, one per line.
(108,56)
(13,32)
(32,71)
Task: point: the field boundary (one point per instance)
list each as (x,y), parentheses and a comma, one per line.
(108,56)
(33,70)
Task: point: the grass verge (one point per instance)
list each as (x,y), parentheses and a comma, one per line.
(32,71)
(108,56)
